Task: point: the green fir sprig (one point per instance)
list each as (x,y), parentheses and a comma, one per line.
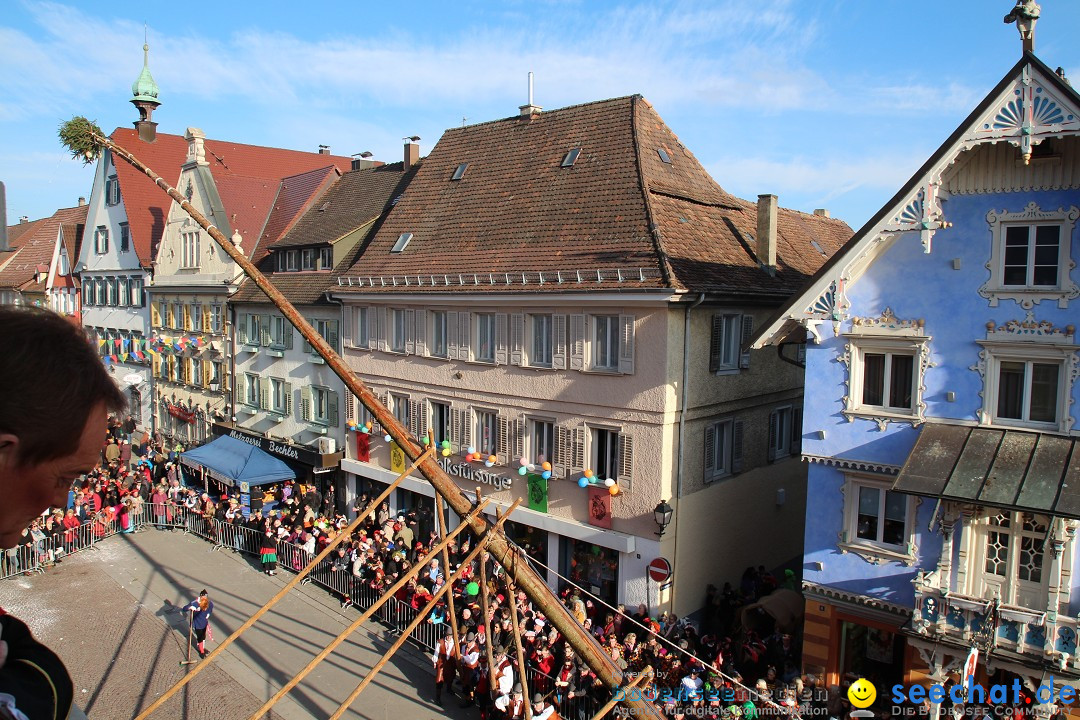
(82,138)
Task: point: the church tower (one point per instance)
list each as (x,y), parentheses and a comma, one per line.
(145,91)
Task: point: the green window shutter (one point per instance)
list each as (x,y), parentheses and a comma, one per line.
(331,407)
(710,451)
(242,329)
(773,423)
(747,333)
(264,395)
(333,332)
(264,330)
(289,336)
(287,390)
(716,343)
(305,403)
(736,446)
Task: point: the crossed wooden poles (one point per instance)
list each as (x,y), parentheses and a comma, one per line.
(523,576)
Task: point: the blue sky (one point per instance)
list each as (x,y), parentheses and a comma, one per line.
(826,103)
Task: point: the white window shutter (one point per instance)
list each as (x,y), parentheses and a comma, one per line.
(517,339)
(710,451)
(414,416)
(736,446)
(562,451)
(466,428)
(500,338)
(421,332)
(577,461)
(626,344)
(372,327)
(410,332)
(465,349)
(350,323)
(504,439)
(422,417)
(577,342)
(380,314)
(453,333)
(558,346)
(455,428)
(773,421)
(519,439)
(626,461)
(747,332)
(350,407)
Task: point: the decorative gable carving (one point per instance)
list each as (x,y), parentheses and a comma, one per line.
(1026,114)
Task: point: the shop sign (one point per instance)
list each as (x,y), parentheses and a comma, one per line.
(180,413)
(397,458)
(277,449)
(467,472)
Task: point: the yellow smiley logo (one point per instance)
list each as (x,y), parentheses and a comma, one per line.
(862,693)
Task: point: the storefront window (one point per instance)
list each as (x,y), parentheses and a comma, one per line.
(592,567)
(533,541)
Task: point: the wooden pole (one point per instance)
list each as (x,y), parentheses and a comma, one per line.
(511,595)
(484,610)
(646,673)
(584,644)
(347,532)
(440,515)
(383,599)
(423,613)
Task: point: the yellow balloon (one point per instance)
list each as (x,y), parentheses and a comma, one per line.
(446,452)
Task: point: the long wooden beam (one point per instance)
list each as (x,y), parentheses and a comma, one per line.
(584,644)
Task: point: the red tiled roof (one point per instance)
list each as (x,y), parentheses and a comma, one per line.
(295,194)
(35,248)
(147,206)
(516,209)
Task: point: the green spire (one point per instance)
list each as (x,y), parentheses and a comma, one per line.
(144,88)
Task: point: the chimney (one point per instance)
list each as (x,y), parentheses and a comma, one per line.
(530,111)
(412,152)
(82,201)
(324,149)
(766,230)
(822,212)
(363,161)
(23,219)
(3,218)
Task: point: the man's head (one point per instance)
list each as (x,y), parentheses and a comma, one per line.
(51,430)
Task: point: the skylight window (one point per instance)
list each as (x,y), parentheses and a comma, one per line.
(402,242)
(460,172)
(664,155)
(571,157)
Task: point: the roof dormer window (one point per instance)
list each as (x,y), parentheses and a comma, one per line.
(460,172)
(402,242)
(571,157)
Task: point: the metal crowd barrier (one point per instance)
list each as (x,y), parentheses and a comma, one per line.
(36,555)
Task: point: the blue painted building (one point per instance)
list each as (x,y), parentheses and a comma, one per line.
(941,404)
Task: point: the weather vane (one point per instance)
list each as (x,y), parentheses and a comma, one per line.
(1025,14)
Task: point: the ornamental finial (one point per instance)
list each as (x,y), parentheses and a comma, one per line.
(1025,14)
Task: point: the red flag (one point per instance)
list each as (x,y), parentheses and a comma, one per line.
(600,507)
(363,447)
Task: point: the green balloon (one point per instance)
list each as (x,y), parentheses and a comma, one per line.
(446,444)
(472,589)
(425,441)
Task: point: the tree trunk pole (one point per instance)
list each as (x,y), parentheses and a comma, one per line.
(421,615)
(347,532)
(383,599)
(484,609)
(511,593)
(646,673)
(440,515)
(532,584)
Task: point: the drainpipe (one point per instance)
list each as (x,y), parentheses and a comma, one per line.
(682,428)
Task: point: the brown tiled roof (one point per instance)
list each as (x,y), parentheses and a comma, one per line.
(295,195)
(147,206)
(35,248)
(516,209)
(357,198)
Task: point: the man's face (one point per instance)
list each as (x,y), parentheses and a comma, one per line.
(29,490)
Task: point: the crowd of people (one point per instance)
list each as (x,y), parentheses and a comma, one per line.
(709,667)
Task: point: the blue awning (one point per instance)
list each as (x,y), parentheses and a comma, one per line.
(235,462)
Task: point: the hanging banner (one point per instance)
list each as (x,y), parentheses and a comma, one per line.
(180,413)
(397,458)
(538,493)
(363,447)
(600,507)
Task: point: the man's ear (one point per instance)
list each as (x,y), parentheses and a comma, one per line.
(9,451)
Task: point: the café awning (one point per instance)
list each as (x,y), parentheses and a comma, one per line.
(1014,469)
(235,462)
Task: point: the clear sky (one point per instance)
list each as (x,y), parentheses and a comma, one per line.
(826,103)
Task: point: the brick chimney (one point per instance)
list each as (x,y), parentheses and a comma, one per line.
(324,149)
(766,231)
(82,201)
(412,153)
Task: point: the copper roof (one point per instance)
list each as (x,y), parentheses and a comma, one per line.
(518,209)
(248,179)
(1012,469)
(34,247)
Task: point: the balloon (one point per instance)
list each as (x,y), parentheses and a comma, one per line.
(492,459)
(364,429)
(471,450)
(369,424)
(523,461)
(609,482)
(546,474)
(472,589)
(582,482)
(446,444)
(588,473)
(387,437)
(488,463)
(425,441)
(614,490)
(446,452)
(546,466)
(522,471)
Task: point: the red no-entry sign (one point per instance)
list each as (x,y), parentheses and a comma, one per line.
(660,570)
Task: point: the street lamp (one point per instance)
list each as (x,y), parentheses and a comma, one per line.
(662,515)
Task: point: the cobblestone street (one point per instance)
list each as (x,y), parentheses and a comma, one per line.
(111,615)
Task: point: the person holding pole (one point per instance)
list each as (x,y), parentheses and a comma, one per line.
(200,609)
